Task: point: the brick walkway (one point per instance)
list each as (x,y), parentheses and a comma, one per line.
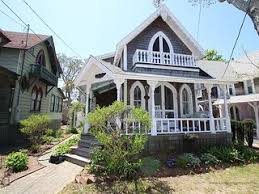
(49,180)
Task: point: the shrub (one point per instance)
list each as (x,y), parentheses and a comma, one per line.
(209,159)
(17,161)
(65,148)
(72,130)
(249,126)
(50,133)
(188,160)
(35,127)
(120,155)
(48,139)
(225,153)
(149,166)
(247,154)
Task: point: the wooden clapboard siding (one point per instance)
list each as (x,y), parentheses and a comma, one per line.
(9,58)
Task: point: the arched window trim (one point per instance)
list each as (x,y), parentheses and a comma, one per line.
(41,54)
(142,89)
(190,99)
(36,99)
(162,35)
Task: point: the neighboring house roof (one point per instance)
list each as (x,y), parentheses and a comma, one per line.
(106,55)
(236,70)
(61,92)
(173,23)
(3,39)
(250,58)
(239,99)
(18,39)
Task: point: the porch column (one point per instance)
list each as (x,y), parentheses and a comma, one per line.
(118,83)
(87,94)
(255,106)
(125,92)
(152,85)
(212,125)
(228,125)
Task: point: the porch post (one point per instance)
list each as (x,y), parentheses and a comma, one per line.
(228,125)
(212,125)
(255,106)
(87,93)
(118,83)
(152,85)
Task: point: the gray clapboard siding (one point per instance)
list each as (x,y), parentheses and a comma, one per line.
(9,58)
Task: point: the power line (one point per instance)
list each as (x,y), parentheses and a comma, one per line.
(19,17)
(14,20)
(51,29)
(238,35)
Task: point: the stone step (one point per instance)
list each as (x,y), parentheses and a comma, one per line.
(78,160)
(84,152)
(88,143)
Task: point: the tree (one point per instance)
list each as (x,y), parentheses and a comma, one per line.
(70,67)
(249,6)
(212,55)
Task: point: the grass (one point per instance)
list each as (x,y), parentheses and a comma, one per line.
(241,179)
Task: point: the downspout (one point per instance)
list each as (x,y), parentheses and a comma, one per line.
(22,68)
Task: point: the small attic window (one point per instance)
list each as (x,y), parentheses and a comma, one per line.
(40,59)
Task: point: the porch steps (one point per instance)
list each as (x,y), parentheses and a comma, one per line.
(78,160)
(80,154)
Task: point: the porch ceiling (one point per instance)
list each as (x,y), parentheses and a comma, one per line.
(239,99)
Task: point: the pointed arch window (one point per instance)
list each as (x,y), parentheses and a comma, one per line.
(186,100)
(40,59)
(137,93)
(160,43)
(36,99)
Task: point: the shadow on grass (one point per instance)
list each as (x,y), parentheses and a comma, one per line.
(150,185)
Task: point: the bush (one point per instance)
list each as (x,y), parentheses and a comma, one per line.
(149,166)
(65,148)
(188,160)
(249,126)
(34,127)
(209,159)
(17,161)
(72,130)
(234,153)
(120,155)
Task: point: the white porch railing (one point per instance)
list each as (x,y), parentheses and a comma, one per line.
(178,125)
(163,58)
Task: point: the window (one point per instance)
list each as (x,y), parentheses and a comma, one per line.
(137,93)
(60,105)
(52,103)
(160,43)
(57,104)
(249,86)
(137,97)
(186,100)
(40,59)
(36,98)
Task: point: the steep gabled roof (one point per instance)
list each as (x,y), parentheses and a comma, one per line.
(173,23)
(18,39)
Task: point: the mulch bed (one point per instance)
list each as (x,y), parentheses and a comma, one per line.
(9,177)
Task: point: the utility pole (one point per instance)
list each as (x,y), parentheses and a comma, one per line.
(17,112)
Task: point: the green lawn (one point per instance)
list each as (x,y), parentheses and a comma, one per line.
(242,179)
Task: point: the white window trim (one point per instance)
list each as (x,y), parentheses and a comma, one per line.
(142,89)
(161,35)
(190,98)
(174,91)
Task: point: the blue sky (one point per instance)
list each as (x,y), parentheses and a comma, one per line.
(96,26)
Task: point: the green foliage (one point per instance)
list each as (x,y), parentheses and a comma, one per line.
(50,133)
(65,148)
(48,139)
(72,130)
(212,55)
(35,127)
(120,155)
(209,159)
(150,166)
(188,160)
(234,153)
(249,126)
(17,161)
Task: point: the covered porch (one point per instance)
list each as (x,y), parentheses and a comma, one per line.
(170,100)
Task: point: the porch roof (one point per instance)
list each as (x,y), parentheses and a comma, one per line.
(95,66)
(239,99)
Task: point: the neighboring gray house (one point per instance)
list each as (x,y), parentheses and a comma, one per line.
(243,95)
(29,75)
(155,67)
